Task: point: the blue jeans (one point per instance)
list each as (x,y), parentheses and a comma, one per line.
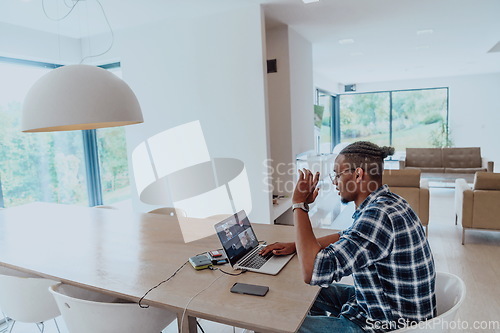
(331,300)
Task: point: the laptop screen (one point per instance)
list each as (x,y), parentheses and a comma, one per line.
(237,236)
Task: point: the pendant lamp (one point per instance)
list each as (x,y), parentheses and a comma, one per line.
(79,97)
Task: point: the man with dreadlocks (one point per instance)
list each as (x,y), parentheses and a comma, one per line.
(385,250)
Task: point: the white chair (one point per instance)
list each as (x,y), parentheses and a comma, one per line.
(86,311)
(450,294)
(25,298)
(105,207)
(177,212)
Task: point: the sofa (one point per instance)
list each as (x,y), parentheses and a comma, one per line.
(478,206)
(446,160)
(407,184)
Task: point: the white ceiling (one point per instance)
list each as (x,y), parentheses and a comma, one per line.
(386,43)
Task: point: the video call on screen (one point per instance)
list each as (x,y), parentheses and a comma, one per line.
(237,236)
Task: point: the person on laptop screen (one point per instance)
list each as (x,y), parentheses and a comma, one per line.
(385,250)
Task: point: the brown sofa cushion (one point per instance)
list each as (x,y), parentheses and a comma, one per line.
(402,178)
(428,170)
(424,157)
(462,157)
(463,170)
(487,181)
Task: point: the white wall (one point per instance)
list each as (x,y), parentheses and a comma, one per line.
(279,106)
(291,99)
(210,69)
(301,93)
(474,108)
(23,43)
(290,95)
(324,83)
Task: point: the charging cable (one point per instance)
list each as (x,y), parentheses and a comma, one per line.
(190,300)
(159,284)
(223,271)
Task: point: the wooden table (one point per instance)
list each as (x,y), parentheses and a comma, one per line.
(124,254)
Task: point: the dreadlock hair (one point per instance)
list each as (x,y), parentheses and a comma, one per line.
(367,156)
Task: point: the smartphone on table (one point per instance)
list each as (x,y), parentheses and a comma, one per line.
(249,289)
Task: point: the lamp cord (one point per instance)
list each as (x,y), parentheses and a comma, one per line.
(110,30)
(61,18)
(69,6)
(105,18)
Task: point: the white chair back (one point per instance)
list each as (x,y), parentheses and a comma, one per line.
(105,207)
(177,212)
(450,294)
(25,298)
(86,311)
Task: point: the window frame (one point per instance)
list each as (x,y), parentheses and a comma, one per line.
(334,115)
(336,125)
(90,147)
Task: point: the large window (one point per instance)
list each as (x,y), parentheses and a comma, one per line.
(113,165)
(420,118)
(51,167)
(365,117)
(403,119)
(323,112)
(113,162)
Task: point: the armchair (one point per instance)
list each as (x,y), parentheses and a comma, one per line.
(415,191)
(477,207)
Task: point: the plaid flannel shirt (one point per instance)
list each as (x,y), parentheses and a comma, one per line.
(389,257)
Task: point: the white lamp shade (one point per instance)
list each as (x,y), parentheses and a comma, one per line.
(79,97)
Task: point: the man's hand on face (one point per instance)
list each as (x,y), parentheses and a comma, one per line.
(306,190)
(279,249)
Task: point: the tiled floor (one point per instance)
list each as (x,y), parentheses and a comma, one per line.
(477,262)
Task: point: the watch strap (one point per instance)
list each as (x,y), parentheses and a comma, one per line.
(301,205)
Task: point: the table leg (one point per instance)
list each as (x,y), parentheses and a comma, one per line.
(188,325)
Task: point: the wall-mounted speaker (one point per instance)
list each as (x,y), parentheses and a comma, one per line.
(272,66)
(349,87)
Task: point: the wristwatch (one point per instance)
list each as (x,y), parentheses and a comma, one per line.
(301,205)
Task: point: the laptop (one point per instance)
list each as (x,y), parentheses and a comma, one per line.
(242,247)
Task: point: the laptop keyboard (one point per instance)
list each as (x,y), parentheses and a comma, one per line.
(255,260)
